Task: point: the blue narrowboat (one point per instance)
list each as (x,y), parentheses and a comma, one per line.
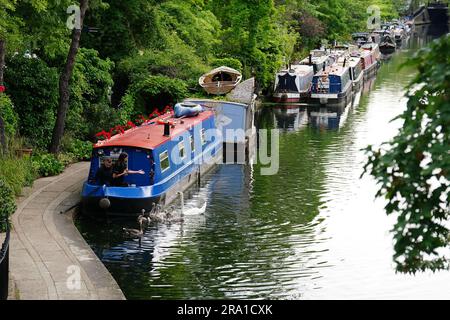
(332,85)
(170,153)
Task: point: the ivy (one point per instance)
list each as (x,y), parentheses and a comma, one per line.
(413,170)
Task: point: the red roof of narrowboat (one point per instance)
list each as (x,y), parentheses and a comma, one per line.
(151,134)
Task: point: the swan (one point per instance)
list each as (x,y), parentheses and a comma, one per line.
(134,233)
(190,211)
(143,218)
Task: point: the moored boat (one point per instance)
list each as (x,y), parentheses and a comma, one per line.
(332,85)
(387,45)
(370,57)
(170,154)
(318,58)
(220,80)
(355,63)
(294,84)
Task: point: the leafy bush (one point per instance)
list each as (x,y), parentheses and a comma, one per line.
(154,92)
(47,165)
(7,204)
(90,91)
(81,150)
(33,88)
(17,173)
(8,115)
(228,62)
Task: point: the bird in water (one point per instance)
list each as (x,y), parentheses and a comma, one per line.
(190,211)
(144,218)
(170,216)
(134,233)
(157,215)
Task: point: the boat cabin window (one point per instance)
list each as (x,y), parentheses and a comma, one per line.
(203,136)
(182,150)
(192,144)
(164,161)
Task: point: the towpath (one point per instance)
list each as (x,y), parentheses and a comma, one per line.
(49,259)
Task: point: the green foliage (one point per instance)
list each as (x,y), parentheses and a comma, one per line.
(154,92)
(47,164)
(228,62)
(7,204)
(78,149)
(33,88)
(17,173)
(8,115)
(90,90)
(414,171)
(250,34)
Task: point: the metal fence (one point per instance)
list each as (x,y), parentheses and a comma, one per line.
(4,267)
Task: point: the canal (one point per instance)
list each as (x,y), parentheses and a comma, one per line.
(312,231)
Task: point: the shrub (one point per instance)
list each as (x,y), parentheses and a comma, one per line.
(47,164)
(154,92)
(8,115)
(89,99)
(81,150)
(7,204)
(17,173)
(227,62)
(33,88)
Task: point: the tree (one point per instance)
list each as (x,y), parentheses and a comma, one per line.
(66,75)
(8,28)
(414,170)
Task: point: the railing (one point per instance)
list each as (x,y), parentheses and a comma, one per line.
(4,267)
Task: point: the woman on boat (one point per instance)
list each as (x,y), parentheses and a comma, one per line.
(120,170)
(104,175)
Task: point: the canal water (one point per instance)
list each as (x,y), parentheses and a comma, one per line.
(312,231)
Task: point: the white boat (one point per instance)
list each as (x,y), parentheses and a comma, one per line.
(220,80)
(293,84)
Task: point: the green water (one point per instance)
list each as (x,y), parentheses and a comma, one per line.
(313,230)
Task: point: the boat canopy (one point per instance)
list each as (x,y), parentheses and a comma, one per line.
(296,79)
(220,80)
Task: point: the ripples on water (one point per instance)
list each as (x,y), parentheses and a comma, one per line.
(311,231)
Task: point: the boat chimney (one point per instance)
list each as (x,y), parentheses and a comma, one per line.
(166,129)
(345,61)
(310,58)
(323,67)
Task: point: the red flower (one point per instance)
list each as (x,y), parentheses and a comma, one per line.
(104,134)
(130,124)
(2,89)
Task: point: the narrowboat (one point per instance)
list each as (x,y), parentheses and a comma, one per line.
(387,45)
(370,56)
(332,85)
(355,63)
(220,80)
(293,84)
(170,152)
(318,58)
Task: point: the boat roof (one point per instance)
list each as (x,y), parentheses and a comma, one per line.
(335,70)
(221,69)
(151,134)
(349,61)
(299,69)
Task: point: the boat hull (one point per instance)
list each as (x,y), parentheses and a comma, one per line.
(290,97)
(130,201)
(333,99)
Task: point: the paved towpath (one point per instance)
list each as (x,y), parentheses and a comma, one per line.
(49,259)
